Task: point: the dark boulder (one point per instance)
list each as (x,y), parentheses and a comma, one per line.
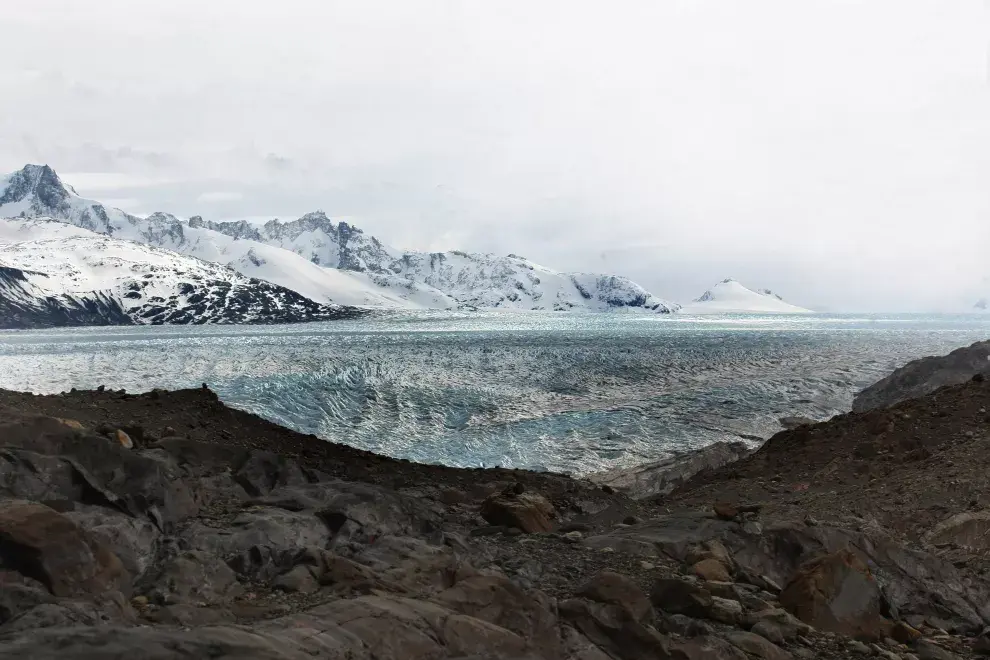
(44,545)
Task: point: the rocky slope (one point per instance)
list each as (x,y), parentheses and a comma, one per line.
(166,525)
(335,262)
(60,275)
(924,375)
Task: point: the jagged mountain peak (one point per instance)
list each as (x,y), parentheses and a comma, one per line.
(314,220)
(38,182)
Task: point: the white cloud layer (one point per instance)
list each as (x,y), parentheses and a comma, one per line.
(837,152)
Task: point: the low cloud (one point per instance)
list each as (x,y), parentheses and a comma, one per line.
(219,196)
(834,152)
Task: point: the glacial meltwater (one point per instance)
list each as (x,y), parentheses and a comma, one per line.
(560,391)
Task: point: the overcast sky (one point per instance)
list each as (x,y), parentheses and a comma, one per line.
(835,151)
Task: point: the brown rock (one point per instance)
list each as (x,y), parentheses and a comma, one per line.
(192,577)
(499,601)
(725,610)
(49,547)
(342,573)
(707,647)
(613,630)
(711,570)
(300,579)
(681,597)
(124,439)
(837,593)
(452,496)
(779,625)
(725,510)
(757,646)
(711,549)
(615,589)
(72,424)
(903,633)
(530,512)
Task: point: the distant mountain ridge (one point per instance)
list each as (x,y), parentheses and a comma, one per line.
(334,262)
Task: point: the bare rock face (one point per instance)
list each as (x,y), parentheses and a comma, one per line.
(530,512)
(925,375)
(837,593)
(47,546)
(711,570)
(271,549)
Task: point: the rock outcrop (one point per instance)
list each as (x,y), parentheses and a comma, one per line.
(920,377)
(238,538)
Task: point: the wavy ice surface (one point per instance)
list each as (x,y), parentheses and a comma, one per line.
(572,393)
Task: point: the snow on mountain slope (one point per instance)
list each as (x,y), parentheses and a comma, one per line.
(61,275)
(26,303)
(729,296)
(288,268)
(317,238)
(466,279)
(37,191)
(486,280)
(329,261)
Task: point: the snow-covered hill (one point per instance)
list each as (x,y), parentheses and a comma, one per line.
(729,296)
(54,274)
(329,261)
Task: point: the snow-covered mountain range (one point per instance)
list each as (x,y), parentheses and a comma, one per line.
(333,262)
(729,296)
(55,274)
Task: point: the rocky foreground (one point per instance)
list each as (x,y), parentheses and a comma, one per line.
(166,525)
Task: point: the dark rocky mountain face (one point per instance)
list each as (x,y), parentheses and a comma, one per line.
(147,286)
(223,302)
(22,307)
(39,181)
